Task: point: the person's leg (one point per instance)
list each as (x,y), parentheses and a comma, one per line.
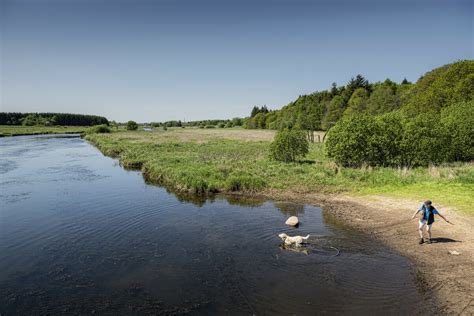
(428,229)
(420,230)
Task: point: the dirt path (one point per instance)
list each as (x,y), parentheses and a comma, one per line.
(447,278)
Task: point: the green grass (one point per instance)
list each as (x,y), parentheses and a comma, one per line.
(206,163)
(17,130)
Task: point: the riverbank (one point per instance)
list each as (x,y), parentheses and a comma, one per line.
(236,160)
(18,130)
(376,201)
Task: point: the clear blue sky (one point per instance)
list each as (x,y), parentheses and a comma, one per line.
(177,59)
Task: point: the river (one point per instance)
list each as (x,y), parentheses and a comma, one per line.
(81,235)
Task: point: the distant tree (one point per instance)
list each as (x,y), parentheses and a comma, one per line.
(464,89)
(255,111)
(9,118)
(30,120)
(334,112)
(458,119)
(358,102)
(441,87)
(289,145)
(382,100)
(237,121)
(334,90)
(405,81)
(132,126)
(358,82)
(259,120)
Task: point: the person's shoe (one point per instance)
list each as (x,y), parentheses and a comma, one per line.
(428,241)
(421,241)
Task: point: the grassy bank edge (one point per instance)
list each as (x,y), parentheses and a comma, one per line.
(13,130)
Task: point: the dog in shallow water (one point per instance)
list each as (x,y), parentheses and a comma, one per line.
(293,240)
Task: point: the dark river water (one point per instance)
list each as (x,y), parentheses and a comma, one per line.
(81,235)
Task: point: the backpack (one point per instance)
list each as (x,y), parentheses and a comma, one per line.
(430,214)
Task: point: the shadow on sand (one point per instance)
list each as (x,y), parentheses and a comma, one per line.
(442,239)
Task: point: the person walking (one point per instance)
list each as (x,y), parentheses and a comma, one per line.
(428,211)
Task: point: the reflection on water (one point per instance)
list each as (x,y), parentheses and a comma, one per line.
(80,235)
(290,209)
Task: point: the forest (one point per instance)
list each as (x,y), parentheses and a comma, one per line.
(50,119)
(387,123)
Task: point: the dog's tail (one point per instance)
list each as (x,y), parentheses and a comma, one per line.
(305,238)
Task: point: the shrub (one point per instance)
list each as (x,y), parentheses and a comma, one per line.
(425,141)
(289,145)
(393,140)
(458,119)
(132,126)
(100,129)
(210,126)
(221,125)
(391,127)
(355,140)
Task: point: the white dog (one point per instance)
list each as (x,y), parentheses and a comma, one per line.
(290,240)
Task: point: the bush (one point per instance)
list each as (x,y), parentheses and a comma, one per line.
(391,132)
(221,125)
(289,145)
(393,140)
(210,126)
(100,129)
(355,140)
(458,119)
(132,126)
(425,141)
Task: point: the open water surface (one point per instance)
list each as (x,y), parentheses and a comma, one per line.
(81,235)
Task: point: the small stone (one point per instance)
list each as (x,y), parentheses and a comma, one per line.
(454,252)
(292,221)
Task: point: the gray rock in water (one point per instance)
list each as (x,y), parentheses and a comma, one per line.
(292,221)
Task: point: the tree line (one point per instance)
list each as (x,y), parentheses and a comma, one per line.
(387,123)
(51,119)
(236,121)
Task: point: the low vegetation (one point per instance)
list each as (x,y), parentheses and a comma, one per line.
(289,145)
(100,129)
(227,160)
(132,126)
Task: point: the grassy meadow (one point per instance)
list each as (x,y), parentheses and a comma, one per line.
(236,160)
(17,130)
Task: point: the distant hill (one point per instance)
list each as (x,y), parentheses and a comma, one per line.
(442,87)
(435,90)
